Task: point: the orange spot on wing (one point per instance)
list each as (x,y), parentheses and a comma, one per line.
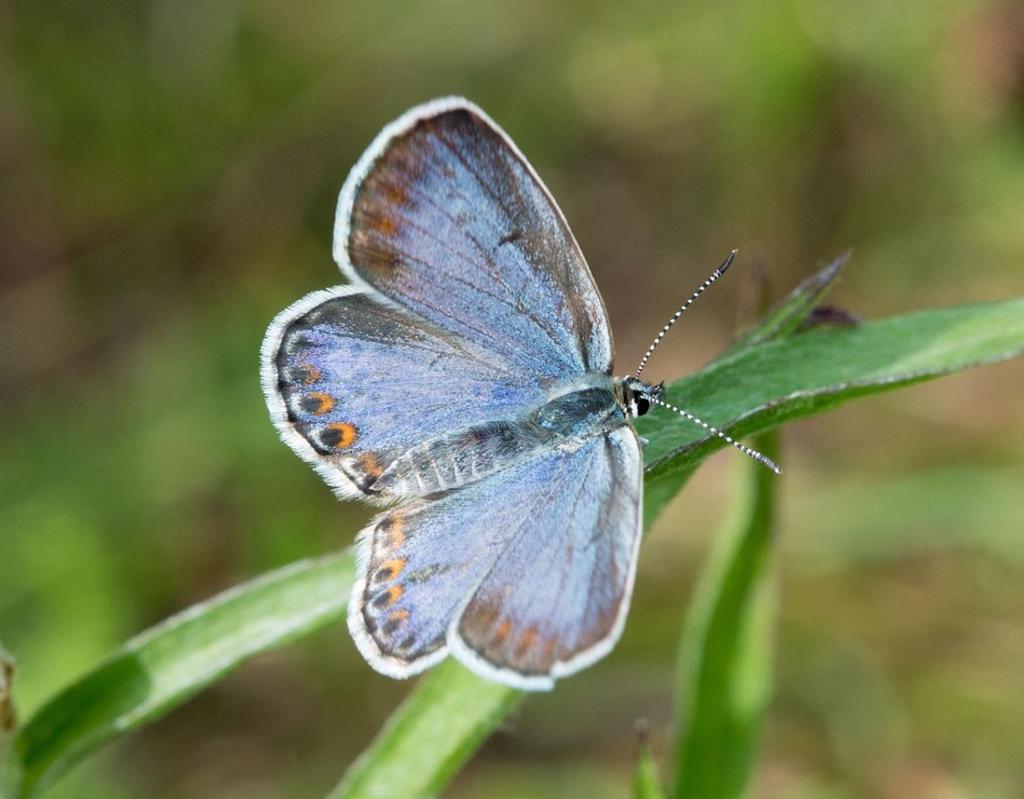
(385,225)
(395,621)
(340,435)
(390,569)
(386,599)
(502,632)
(394,528)
(371,465)
(395,194)
(324,402)
(527,640)
(306,373)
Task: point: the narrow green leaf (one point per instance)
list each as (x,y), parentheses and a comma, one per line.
(790,313)
(163,667)
(808,373)
(429,737)
(724,678)
(646,782)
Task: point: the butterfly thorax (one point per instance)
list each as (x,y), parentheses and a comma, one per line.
(566,421)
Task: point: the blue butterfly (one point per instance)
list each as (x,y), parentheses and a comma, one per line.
(463,380)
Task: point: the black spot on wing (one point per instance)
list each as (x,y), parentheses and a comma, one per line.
(510,238)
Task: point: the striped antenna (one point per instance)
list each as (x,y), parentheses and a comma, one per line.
(753,453)
(682,308)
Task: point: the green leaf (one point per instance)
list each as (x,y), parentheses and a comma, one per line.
(646,782)
(725,654)
(429,737)
(808,373)
(793,310)
(161,668)
(785,318)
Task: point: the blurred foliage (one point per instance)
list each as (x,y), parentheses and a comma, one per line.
(168,177)
(160,669)
(726,654)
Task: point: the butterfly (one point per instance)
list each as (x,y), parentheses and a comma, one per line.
(462,380)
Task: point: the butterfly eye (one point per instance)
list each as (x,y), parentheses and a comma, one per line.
(642,405)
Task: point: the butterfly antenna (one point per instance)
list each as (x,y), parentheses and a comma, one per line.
(682,308)
(753,453)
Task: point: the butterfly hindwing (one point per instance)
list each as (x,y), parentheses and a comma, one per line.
(420,561)
(537,560)
(446,217)
(578,548)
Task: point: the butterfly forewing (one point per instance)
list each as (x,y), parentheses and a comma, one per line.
(445,217)
(353,383)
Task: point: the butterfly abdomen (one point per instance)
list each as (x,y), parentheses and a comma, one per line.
(453,460)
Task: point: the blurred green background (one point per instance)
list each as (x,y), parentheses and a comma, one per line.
(168,173)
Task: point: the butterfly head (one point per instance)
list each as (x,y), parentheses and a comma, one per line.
(635,395)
